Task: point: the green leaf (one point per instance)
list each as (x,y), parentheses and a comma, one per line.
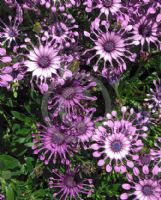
(8,162)
(9,193)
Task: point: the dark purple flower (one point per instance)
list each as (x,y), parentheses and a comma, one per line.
(143,187)
(118,140)
(52,143)
(70,96)
(71,185)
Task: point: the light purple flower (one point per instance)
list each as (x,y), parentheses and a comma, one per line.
(63,30)
(142,188)
(52,143)
(71,185)
(2,197)
(146,32)
(118,140)
(156,152)
(69,97)
(110,47)
(3,56)
(153,99)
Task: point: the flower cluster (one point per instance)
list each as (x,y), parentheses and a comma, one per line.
(61,52)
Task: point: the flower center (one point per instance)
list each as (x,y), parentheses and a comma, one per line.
(116,146)
(147,190)
(58,138)
(81,128)
(107,3)
(70,181)
(145,30)
(59,31)
(109,46)
(68,93)
(44,62)
(145,159)
(12,33)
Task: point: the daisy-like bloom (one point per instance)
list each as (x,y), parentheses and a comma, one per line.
(9,33)
(71,184)
(146,32)
(107,7)
(52,143)
(110,47)
(63,30)
(118,140)
(70,96)
(139,187)
(153,99)
(156,152)
(2,197)
(83,127)
(145,162)
(44,62)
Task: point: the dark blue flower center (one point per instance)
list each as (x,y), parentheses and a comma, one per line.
(68,93)
(12,33)
(59,31)
(69,181)
(44,62)
(107,3)
(116,146)
(145,30)
(81,128)
(109,46)
(58,138)
(147,190)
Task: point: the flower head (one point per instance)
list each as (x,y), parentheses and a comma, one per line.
(110,47)
(53,142)
(146,31)
(69,97)
(156,153)
(153,99)
(70,184)
(118,140)
(142,187)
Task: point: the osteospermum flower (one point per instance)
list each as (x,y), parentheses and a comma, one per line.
(9,33)
(63,29)
(107,7)
(142,188)
(118,140)
(52,143)
(146,32)
(143,163)
(3,56)
(2,196)
(156,152)
(43,61)
(110,47)
(71,185)
(153,99)
(83,127)
(69,97)
(5,77)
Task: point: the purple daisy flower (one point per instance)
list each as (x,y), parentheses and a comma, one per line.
(71,185)
(53,142)
(142,188)
(106,7)
(9,33)
(82,127)
(69,97)
(118,140)
(2,196)
(156,152)
(63,30)
(153,99)
(146,31)
(144,162)
(111,47)
(44,62)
